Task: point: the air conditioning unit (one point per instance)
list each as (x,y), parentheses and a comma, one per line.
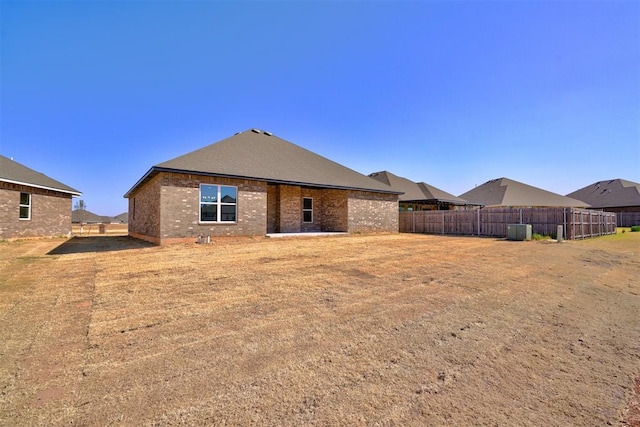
(519,232)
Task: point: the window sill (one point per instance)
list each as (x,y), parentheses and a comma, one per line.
(217,223)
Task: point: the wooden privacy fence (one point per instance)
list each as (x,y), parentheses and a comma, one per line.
(576,223)
(628,219)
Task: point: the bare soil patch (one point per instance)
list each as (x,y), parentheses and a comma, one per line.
(356,330)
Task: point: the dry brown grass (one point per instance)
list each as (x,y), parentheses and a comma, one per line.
(94,229)
(356,330)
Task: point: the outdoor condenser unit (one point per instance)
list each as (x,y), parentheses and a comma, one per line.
(519,232)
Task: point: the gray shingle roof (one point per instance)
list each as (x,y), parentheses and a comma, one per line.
(416,191)
(86,216)
(14,172)
(609,194)
(507,192)
(123,217)
(259,155)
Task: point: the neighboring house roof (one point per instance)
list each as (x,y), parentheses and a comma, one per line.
(259,155)
(16,173)
(123,217)
(87,216)
(507,192)
(416,191)
(609,194)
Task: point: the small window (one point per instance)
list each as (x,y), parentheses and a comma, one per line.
(218,203)
(307,209)
(25,206)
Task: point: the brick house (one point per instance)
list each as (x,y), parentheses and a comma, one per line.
(253,184)
(31,203)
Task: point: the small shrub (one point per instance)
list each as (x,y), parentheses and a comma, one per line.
(536,236)
(635,228)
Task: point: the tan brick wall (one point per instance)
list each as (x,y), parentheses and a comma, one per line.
(335,208)
(179,199)
(50,212)
(373,212)
(329,209)
(273,208)
(167,209)
(318,202)
(290,209)
(144,211)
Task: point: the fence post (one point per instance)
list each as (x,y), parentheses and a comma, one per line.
(413,221)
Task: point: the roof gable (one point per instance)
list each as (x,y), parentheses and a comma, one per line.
(507,192)
(611,193)
(16,173)
(259,155)
(416,191)
(437,194)
(400,184)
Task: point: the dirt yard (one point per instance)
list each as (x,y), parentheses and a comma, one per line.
(359,330)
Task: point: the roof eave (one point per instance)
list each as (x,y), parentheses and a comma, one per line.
(73,192)
(157,169)
(141,181)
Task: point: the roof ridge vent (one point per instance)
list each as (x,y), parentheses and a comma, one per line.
(255,130)
(267,133)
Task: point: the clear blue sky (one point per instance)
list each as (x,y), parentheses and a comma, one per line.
(453,93)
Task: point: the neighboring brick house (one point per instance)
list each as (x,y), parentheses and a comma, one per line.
(255,183)
(420,196)
(31,203)
(613,195)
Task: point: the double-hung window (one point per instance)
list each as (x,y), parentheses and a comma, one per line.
(307,209)
(25,206)
(218,203)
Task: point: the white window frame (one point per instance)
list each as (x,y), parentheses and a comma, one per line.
(27,205)
(218,203)
(307,210)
